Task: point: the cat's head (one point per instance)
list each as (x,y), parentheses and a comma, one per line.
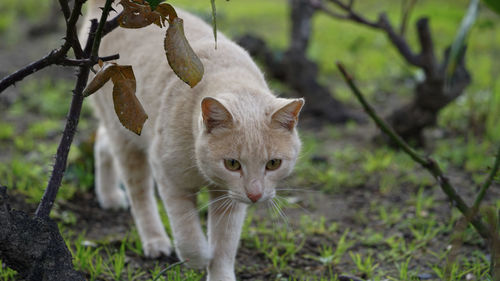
(247,148)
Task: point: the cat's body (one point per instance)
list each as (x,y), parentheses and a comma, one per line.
(228,132)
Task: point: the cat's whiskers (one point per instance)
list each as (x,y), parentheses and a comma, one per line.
(279,211)
(293,204)
(227,204)
(187,150)
(220,205)
(190,168)
(238,197)
(229,221)
(210,190)
(191,214)
(285,191)
(297,189)
(273,212)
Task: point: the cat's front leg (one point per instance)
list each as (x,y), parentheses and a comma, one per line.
(189,240)
(225,219)
(133,168)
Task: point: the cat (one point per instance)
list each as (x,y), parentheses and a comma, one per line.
(229,133)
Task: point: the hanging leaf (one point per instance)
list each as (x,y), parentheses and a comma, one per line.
(102,76)
(458,46)
(493,4)
(138,14)
(167,11)
(127,107)
(135,15)
(214,21)
(181,57)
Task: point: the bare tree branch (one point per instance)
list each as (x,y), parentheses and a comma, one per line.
(31,68)
(383,24)
(86,62)
(65,9)
(428,163)
(406,9)
(427,47)
(55,180)
(487,183)
(398,41)
(347,8)
(58,56)
(71,41)
(71,34)
(98,35)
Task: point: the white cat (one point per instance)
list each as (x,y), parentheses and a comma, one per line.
(229,133)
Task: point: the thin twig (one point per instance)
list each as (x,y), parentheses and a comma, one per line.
(406,9)
(71,34)
(86,62)
(65,9)
(382,23)
(426,57)
(71,41)
(56,56)
(488,182)
(31,68)
(169,267)
(350,14)
(50,193)
(428,163)
(59,168)
(102,23)
(55,180)
(111,25)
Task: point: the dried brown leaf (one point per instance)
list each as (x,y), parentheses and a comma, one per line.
(127,107)
(181,57)
(135,15)
(138,14)
(101,77)
(166,11)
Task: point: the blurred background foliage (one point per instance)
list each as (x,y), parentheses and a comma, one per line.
(334,159)
(369,55)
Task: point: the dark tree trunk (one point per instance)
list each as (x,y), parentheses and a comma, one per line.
(296,70)
(431,95)
(33,246)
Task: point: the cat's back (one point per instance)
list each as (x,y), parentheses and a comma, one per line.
(159,90)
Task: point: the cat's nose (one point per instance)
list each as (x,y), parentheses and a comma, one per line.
(254,197)
(254,190)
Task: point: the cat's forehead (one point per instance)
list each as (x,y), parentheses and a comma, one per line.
(262,143)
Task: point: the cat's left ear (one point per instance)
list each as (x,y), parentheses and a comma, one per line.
(215,115)
(287,116)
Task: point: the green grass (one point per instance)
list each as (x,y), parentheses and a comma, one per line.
(6,274)
(399,231)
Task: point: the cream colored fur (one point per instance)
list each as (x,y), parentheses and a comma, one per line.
(230,114)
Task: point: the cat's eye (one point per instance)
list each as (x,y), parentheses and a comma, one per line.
(273,164)
(232,164)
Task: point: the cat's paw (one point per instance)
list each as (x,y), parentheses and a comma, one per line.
(199,260)
(114,201)
(219,276)
(155,248)
(197,254)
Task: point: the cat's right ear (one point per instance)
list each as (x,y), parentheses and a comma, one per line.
(287,116)
(215,115)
